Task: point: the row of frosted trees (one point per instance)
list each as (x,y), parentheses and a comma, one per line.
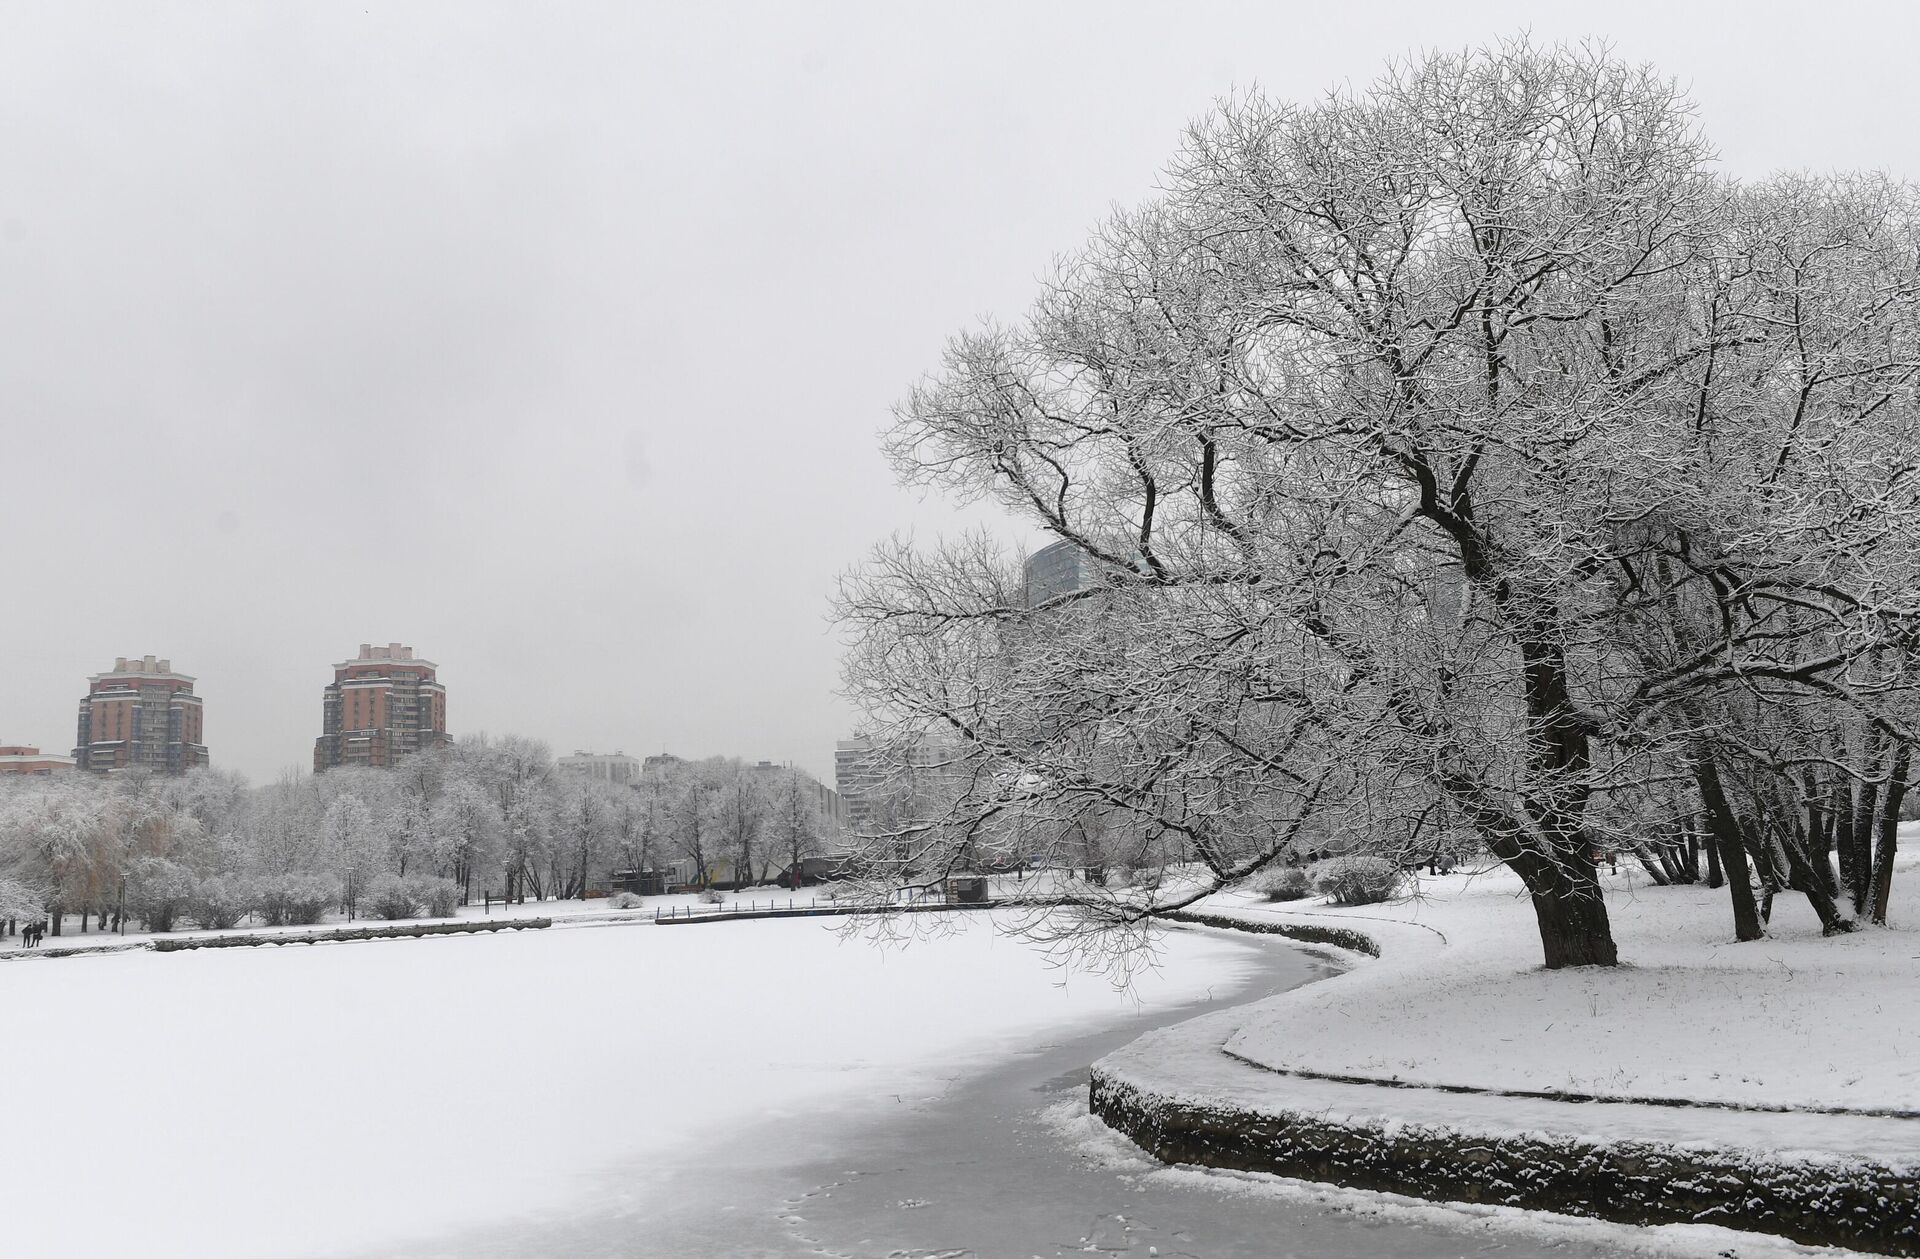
(479,817)
(1457,462)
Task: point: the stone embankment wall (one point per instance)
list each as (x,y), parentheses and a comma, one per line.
(1306,933)
(385,931)
(1855,1204)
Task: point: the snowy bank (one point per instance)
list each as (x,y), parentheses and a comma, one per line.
(1176,1095)
(1768,1085)
(1458,999)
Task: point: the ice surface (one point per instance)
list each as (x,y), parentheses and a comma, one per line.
(326,1099)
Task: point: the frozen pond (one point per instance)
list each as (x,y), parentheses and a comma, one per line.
(335,1099)
(731,1089)
(1007,1163)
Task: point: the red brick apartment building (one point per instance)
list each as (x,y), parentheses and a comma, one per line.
(17,758)
(140,715)
(381,706)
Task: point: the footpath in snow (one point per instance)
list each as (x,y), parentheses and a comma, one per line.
(1775,1083)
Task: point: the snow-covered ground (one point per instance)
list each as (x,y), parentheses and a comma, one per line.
(1460,998)
(330,1098)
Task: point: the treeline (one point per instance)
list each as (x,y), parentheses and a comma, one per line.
(478,817)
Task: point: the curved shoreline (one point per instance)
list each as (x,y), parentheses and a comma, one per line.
(1179,1094)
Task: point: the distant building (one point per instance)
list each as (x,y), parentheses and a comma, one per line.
(382,705)
(857,774)
(1055,570)
(617,769)
(19,759)
(832,806)
(864,772)
(140,715)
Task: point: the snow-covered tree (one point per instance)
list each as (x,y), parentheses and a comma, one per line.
(355,846)
(739,816)
(589,813)
(1459,448)
(796,828)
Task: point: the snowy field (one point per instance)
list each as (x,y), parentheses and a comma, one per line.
(1460,998)
(319,1100)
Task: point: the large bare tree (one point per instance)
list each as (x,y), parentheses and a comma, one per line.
(1409,438)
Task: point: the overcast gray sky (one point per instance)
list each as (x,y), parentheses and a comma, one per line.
(554,339)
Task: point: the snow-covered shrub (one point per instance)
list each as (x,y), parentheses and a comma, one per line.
(1281,883)
(222,901)
(390,896)
(1360,879)
(438,897)
(159,891)
(625,900)
(20,903)
(295,898)
(712,896)
(1146,878)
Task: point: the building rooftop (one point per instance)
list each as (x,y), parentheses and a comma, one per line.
(141,667)
(18,754)
(394,653)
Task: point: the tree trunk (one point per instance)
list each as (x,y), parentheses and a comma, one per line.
(1567,899)
(1728,841)
(1887,842)
(1659,876)
(1803,878)
(1568,905)
(1820,829)
(1673,859)
(1857,866)
(1716,877)
(1574,930)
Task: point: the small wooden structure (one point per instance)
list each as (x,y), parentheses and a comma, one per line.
(640,882)
(966,889)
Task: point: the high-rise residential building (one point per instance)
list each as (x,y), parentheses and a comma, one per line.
(17,758)
(1055,570)
(382,705)
(856,773)
(866,772)
(617,768)
(140,715)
